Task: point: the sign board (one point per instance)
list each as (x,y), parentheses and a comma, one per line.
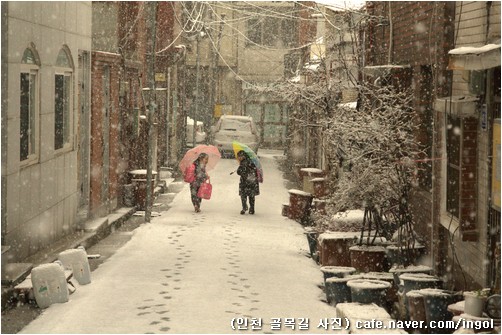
(160,76)
(219,110)
(496,165)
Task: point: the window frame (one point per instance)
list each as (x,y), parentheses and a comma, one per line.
(32,69)
(465,220)
(68,109)
(453,164)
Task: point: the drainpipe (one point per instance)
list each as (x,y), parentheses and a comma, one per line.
(167,113)
(391,35)
(197,66)
(151,109)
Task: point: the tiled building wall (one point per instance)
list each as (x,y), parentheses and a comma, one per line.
(472,29)
(40,197)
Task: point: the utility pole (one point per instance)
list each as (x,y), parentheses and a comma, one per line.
(152,17)
(196,109)
(213,100)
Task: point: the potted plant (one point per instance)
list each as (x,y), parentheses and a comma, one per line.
(376,149)
(366,256)
(475,302)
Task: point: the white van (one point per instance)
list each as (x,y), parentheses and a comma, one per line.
(231,128)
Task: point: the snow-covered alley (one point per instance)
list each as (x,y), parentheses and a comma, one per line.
(188,272)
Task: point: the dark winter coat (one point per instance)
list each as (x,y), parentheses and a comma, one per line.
(248,185)
(200,177)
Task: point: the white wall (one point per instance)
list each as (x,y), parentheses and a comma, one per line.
(41,198)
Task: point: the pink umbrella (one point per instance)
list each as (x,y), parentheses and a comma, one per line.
(192,154)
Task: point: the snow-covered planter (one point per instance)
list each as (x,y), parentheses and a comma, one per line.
(368,291)
(436,303)
(415,281)
(312,237)
(334,248)
(398,270)
(346,221)
(319,187)
(404,255)
(368,258)
(299,205)
(337,290)
(285,210)
(391,295)
(320,206)
(298,174)
(415,306)
(475,302)
(308,174)
(336,271)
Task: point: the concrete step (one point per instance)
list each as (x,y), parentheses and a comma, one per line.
(14,273)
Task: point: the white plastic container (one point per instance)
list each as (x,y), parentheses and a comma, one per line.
(49,284)
(76,260)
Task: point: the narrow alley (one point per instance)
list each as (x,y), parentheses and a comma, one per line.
(188,272)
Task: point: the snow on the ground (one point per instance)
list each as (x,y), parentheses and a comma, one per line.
(189,272)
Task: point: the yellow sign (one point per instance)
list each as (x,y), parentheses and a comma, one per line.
(219,110)
(496,165)
(160,77)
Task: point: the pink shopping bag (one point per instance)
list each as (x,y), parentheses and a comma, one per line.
(205,190)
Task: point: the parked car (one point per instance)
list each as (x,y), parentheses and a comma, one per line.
(200,135)
(234,128)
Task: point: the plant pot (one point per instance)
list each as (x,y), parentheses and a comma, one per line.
(399,255)
(299,205)
(334,248)
(474,303)
(368,291)
(418,281)
(298,173)
(307,175)
(319,187)
(436,303)
(285,210)
(337,290)
(391,295)
(337,271)
(313,245)
(320,206)
(368,258)
(415,281)
(398,270)
(416,306)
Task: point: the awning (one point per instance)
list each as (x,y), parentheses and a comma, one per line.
(474,58)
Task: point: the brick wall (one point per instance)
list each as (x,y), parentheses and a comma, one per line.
(422,35)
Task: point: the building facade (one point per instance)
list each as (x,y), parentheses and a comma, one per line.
(240,53)
(457,109)
(468,176)
(45,87)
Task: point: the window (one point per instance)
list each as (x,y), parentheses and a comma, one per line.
(453,166)
(28,106)
(425,131)
(271,31)
(63,101)
(461,174)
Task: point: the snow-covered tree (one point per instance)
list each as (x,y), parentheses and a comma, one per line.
(372,149)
